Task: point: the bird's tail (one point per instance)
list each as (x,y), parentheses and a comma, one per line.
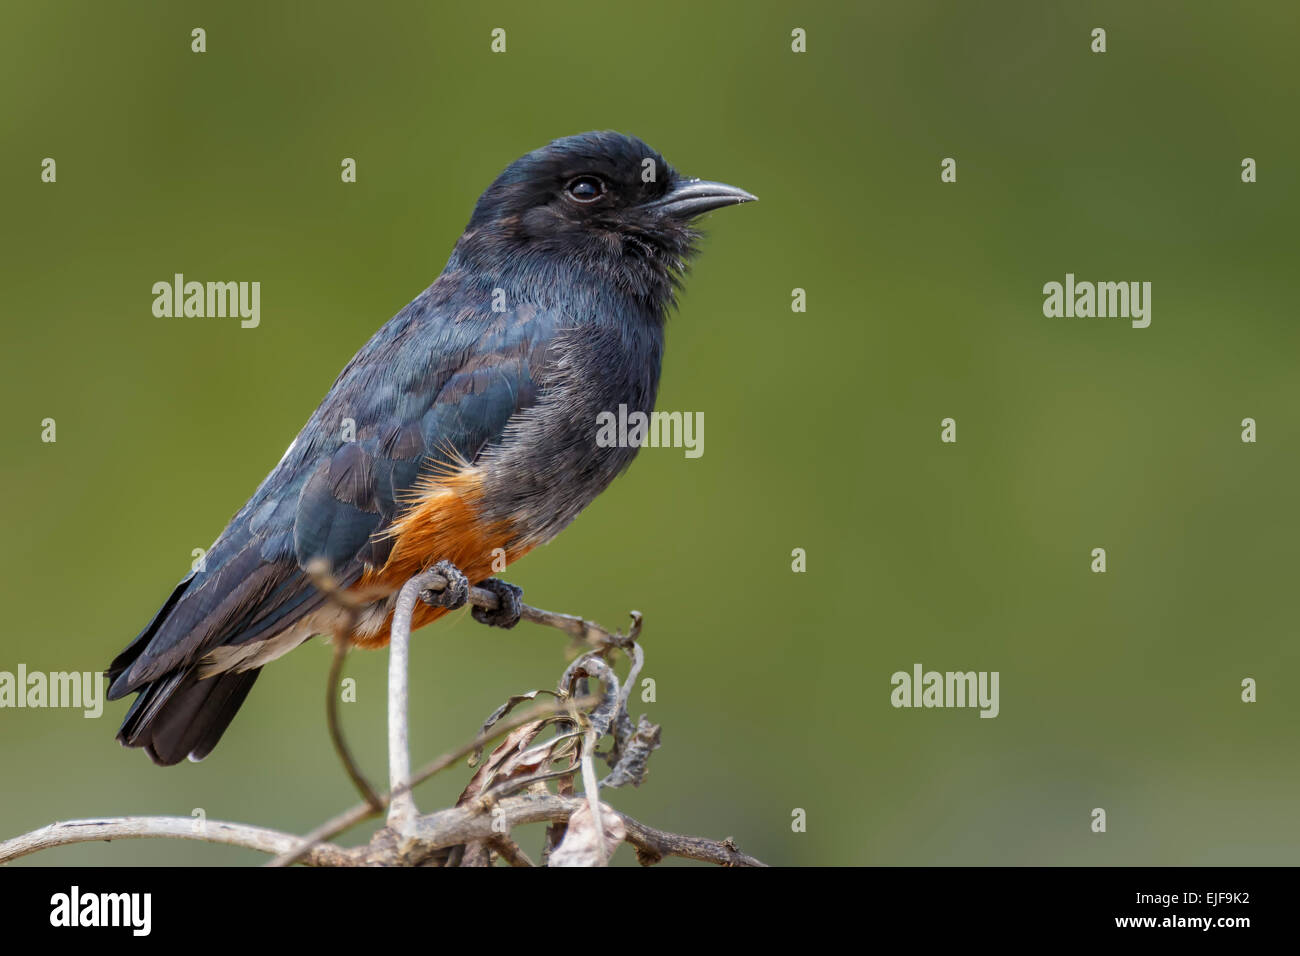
(178,714)
(182,715)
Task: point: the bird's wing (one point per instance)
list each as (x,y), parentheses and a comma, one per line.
(431,389)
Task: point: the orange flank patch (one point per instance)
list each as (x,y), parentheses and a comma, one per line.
(442,523)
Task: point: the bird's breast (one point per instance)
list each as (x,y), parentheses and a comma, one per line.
(550,463)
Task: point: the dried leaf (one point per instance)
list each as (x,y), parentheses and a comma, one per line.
(631,766)
(510,757)
(582,844)
(497,714)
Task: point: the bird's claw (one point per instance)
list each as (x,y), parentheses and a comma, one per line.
(510,604)
(453,594)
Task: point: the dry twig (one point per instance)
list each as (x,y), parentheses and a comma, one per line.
(509,789)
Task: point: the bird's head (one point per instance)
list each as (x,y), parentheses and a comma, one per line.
(603,201)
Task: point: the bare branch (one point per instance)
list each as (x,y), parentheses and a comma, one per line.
(179,828)
(325,583)
(580,629)
(466,824)
(480,824)
(592,791)
(509,851)
(436,830)
(362,812)
(653,845)
(401,808)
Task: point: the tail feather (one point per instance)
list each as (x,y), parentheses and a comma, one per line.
(183,715)
(177,714)
(123,661)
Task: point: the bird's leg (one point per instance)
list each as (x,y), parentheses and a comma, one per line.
(453,594)
(510,603)
(456,593)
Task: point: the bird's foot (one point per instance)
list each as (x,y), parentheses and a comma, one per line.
(510,603)
(451,595)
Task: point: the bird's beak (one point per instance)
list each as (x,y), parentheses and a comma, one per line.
(692,197)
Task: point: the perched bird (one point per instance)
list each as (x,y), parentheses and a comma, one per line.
(474,416)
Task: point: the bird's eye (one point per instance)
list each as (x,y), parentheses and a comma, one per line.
(585,189)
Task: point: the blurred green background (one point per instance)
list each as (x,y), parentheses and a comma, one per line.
(1118,690)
